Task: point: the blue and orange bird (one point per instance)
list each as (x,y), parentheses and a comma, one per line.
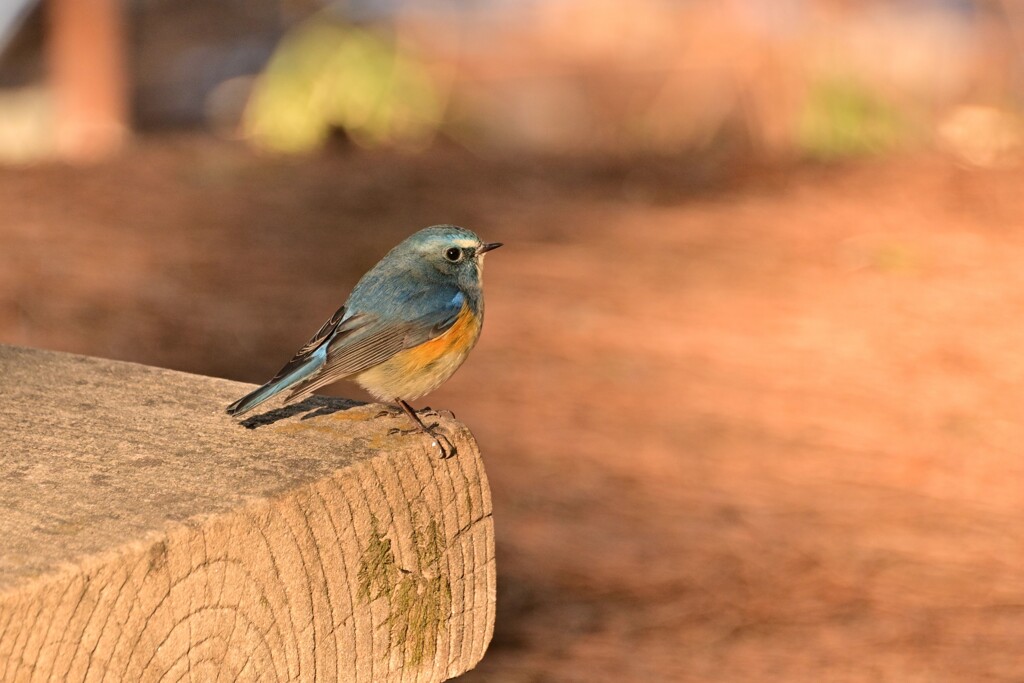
(406,328)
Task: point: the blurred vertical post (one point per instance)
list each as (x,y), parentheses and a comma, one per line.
(88,75)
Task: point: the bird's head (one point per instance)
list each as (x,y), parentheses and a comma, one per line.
(453,251)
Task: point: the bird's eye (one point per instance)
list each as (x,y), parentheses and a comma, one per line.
(453,254)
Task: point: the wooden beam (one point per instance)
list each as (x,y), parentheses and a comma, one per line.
(145,535)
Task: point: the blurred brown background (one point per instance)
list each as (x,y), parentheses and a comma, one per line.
(751,383)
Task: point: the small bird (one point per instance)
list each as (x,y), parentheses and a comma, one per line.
(405,329)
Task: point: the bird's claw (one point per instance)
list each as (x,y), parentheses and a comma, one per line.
(404,432)
(443,444)
(430,412)
(438,440)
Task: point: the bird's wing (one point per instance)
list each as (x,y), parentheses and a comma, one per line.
(305,363)
(378,338)
(325,331)
(332,326)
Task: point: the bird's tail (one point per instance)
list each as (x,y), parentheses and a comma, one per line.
(277,385)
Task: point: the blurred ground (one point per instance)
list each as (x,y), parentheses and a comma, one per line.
(741,423)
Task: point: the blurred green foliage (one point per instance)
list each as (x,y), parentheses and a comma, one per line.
(326,76)
(843,118)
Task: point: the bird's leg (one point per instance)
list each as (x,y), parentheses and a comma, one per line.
(446,447)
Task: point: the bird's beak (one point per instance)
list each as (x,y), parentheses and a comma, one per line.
(488,247)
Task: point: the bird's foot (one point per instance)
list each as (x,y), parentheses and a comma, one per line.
(389,411)
(437,439)
(430,412)
(412,430)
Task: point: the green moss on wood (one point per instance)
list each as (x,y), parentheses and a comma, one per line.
(419,600)
(377,571)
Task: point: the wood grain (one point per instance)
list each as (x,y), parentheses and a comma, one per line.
(147,536)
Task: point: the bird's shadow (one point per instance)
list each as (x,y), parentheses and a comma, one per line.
(314,406)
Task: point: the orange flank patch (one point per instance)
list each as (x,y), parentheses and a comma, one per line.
(457,340)
(414,372)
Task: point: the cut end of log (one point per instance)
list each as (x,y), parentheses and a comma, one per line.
(148,536)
